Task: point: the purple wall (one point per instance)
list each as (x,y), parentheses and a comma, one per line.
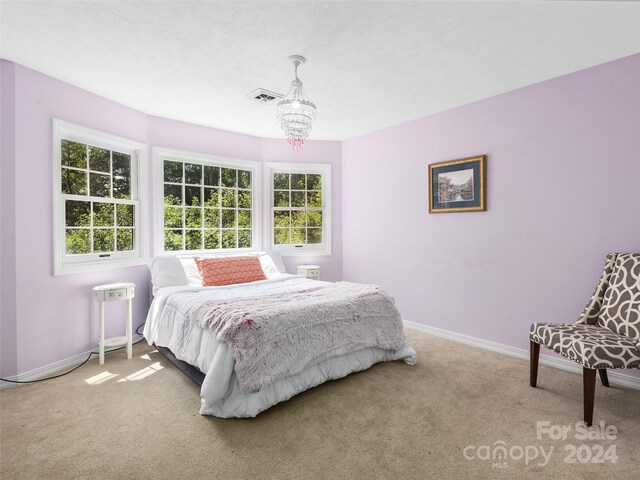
(45,318)
(563,174)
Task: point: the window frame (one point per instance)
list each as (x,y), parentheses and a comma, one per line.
(64,264)
(161,154)
(323,169)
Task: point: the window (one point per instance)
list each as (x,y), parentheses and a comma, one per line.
(205,203)
(300,208)
(97,204)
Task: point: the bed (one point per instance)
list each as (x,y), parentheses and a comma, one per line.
(253,345)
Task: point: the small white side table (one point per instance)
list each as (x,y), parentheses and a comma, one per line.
(112,293)
(309,271)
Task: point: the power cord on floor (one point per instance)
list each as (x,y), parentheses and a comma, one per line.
(77,366)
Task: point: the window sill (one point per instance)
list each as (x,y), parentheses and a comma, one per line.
(91,267)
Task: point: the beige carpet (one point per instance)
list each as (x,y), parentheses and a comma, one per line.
(392,421)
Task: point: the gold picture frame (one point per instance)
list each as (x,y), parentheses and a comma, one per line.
(458,185)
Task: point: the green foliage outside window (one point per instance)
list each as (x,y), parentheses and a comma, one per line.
(96,226)
(297,212)
(206,207)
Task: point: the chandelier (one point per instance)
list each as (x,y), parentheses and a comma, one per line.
(294,112)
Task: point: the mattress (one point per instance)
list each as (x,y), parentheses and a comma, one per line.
(167,326)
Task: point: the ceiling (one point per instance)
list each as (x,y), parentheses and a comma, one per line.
(370,65)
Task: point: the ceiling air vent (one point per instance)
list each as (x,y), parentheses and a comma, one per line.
(263,96)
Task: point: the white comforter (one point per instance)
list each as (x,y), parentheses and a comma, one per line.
(221,395)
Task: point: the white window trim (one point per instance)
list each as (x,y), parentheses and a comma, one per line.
(64,265)
(323,249)
(162,154)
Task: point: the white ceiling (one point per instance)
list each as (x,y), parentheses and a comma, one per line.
(370,65)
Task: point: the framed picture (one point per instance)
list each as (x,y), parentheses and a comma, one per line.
(458,185)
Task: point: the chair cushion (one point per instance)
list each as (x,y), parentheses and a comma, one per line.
(590,345)
(620,311)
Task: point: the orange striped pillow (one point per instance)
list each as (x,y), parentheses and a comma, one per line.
(228,270)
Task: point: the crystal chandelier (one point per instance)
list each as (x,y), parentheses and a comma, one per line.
(294,112)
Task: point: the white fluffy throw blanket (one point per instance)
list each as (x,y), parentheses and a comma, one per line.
(275,336)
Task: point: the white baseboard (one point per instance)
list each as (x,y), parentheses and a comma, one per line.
(561,363)
(54,368)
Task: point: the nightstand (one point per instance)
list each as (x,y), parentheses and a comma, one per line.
(309,271)
(112,293)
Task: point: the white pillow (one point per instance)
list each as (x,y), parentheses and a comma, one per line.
(167,271)
(190,269)
(276,259)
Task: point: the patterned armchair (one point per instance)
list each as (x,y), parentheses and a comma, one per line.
(607,333)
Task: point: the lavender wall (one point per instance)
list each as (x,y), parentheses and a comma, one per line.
(8,327)
(563,180)
(55,317)
(45,318)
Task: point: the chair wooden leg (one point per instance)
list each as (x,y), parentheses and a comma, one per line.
(604,378)
(534,351)
(589,388)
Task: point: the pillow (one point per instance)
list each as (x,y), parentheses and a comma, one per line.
(229,270)
(271,264)
(191,271)
(276,258)
(167,271)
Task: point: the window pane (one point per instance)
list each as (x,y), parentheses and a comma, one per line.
(297,181)
(229,239)
(99,159)
(282,218)
(121,187)
(193,240)
(124,215)
(78,241)
(297,199)
(73,154)
(244,218)
(193,173)
(103,240)
(173,239)
(229,197)
(173,217)
(314,218)
(281,181)
(298,236)
(229,177)
(244,199)
(77,214)
(172,195)
(211,218)
(194,217)
(121,167)
(314,235)
(172,171)
(102,215)
(74,182)
(228,218)
(299,218)
(124,239)
(211,239)
(244,179)
(211,176)
(244,238)
(192,196)
(314,182)
(100,185)
(280,236)
(314,199)
(212,197)
(280,199)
